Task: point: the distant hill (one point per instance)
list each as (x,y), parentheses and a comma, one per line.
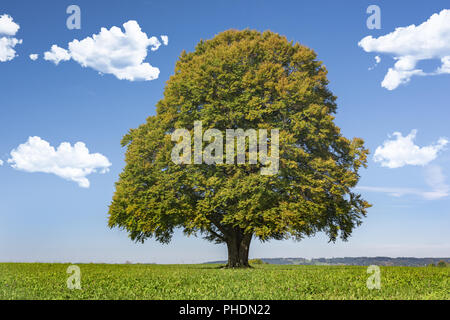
(354,261)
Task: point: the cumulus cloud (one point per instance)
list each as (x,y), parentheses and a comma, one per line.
(395,77)
(412,44)
(8,28)
(7,52)
(1,163)
(34,56)
(165,39)
(56,55)
(434,178)
(72,163)
(113,51)
(402,151)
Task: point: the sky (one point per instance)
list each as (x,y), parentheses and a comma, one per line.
(67,97)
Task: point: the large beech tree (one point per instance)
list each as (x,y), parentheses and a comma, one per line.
(249,80)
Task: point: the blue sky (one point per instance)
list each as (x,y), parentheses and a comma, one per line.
(46,218)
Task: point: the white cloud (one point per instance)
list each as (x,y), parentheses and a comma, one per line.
(409,45)
(113,52)
(1,163)
(34,56)
(7,43)
(394,77)
(7,52)
(71,163)
(377,61)
(402,151)
(445,67)
(393,191)
(56,55)
(434,178)
(165,39)
(8,26)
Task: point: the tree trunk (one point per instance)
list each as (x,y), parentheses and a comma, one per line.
(238,249)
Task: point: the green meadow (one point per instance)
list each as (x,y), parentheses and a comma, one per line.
(206,281)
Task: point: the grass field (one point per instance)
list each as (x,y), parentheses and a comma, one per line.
(103,281)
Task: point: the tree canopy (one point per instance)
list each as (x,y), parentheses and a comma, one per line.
(250,80)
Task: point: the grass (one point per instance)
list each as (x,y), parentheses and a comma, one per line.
(103,281)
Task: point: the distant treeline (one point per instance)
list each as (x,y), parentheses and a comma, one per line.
(356,261)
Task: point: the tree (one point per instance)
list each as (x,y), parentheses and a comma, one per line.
(256,261)
(249,80)
(441,264)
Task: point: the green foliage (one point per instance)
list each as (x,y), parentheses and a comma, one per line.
(249,80)
(256,261)
(442,264)
(102,281)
